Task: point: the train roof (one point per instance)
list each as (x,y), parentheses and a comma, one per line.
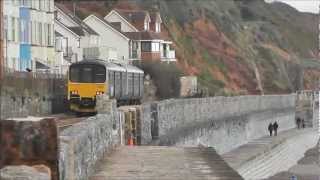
(112,66)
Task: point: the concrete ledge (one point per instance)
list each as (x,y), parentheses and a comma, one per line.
(23,173)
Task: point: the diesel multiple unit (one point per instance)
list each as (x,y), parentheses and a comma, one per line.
(89,78)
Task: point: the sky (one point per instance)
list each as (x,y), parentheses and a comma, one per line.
(302,5)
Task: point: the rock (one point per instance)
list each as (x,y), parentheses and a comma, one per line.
(23,172)
(29,141)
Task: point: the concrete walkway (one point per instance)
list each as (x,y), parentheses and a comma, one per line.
(164,163)
(267,156)
(308,168)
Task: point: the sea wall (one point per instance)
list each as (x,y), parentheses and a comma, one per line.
(222,122)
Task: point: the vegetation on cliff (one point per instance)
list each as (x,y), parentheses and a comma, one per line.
(234,46)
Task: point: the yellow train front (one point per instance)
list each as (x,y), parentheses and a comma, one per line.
(89,78)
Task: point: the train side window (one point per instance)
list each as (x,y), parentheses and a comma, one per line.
(100,74)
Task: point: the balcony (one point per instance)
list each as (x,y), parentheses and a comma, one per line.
(103,53)
(168,55)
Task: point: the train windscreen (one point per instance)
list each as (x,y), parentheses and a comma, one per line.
(87,73)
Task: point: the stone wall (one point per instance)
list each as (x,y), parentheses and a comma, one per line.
(31,142)
(207,120)
(84,144)
(29,94)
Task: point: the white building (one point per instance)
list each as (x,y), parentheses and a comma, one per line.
(144,31)
(76,41)
(110,36)
(29,41)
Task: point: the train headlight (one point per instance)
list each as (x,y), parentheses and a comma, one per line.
(74,92)
(99,93)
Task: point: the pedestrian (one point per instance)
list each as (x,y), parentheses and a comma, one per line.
(270,128)
(275,128)
(298,122)
(303,124)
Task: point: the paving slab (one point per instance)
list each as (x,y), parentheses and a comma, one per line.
(164,163)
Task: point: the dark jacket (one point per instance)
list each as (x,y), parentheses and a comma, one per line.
(270,127)
(275,125)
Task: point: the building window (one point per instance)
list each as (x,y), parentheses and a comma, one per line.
(40,33)
(49,35)
(22,30)
(5,24)
(155,47)
(13,29)
(158,27)
(146,46)
(29,32)
(146,25)
(45,34)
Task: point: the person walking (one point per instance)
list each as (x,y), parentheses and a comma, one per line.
(298,122)
(303,124)
(275,128)
(270,128)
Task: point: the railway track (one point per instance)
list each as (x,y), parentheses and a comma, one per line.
(65,121)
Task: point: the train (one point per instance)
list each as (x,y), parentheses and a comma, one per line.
(89,78)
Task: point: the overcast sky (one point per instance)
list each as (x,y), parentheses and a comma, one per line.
(302,5)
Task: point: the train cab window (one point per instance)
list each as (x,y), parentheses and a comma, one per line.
(74,74)
(88,73)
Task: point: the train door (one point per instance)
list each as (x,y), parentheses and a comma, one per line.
(111,84)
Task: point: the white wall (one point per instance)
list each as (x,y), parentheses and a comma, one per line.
(12,48)
(72,39)
(110,37)
(113,17)
(64,19)
(43,50)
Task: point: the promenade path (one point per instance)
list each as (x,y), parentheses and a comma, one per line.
(267,156)
(164,163)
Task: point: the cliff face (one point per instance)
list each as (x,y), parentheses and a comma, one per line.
(234,46)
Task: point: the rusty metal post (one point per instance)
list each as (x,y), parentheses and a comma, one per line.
(1,40)
(1,51)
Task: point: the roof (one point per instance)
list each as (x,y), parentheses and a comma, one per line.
(134,17)
(77,30)
(144,35)
(77,20)
(111,66)
(108,23)
(116,25)
(57,34)
(65,27)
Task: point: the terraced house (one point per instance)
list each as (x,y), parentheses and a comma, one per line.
(74,39)
(138,31)
(28,35)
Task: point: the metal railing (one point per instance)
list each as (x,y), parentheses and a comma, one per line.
(102,52)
